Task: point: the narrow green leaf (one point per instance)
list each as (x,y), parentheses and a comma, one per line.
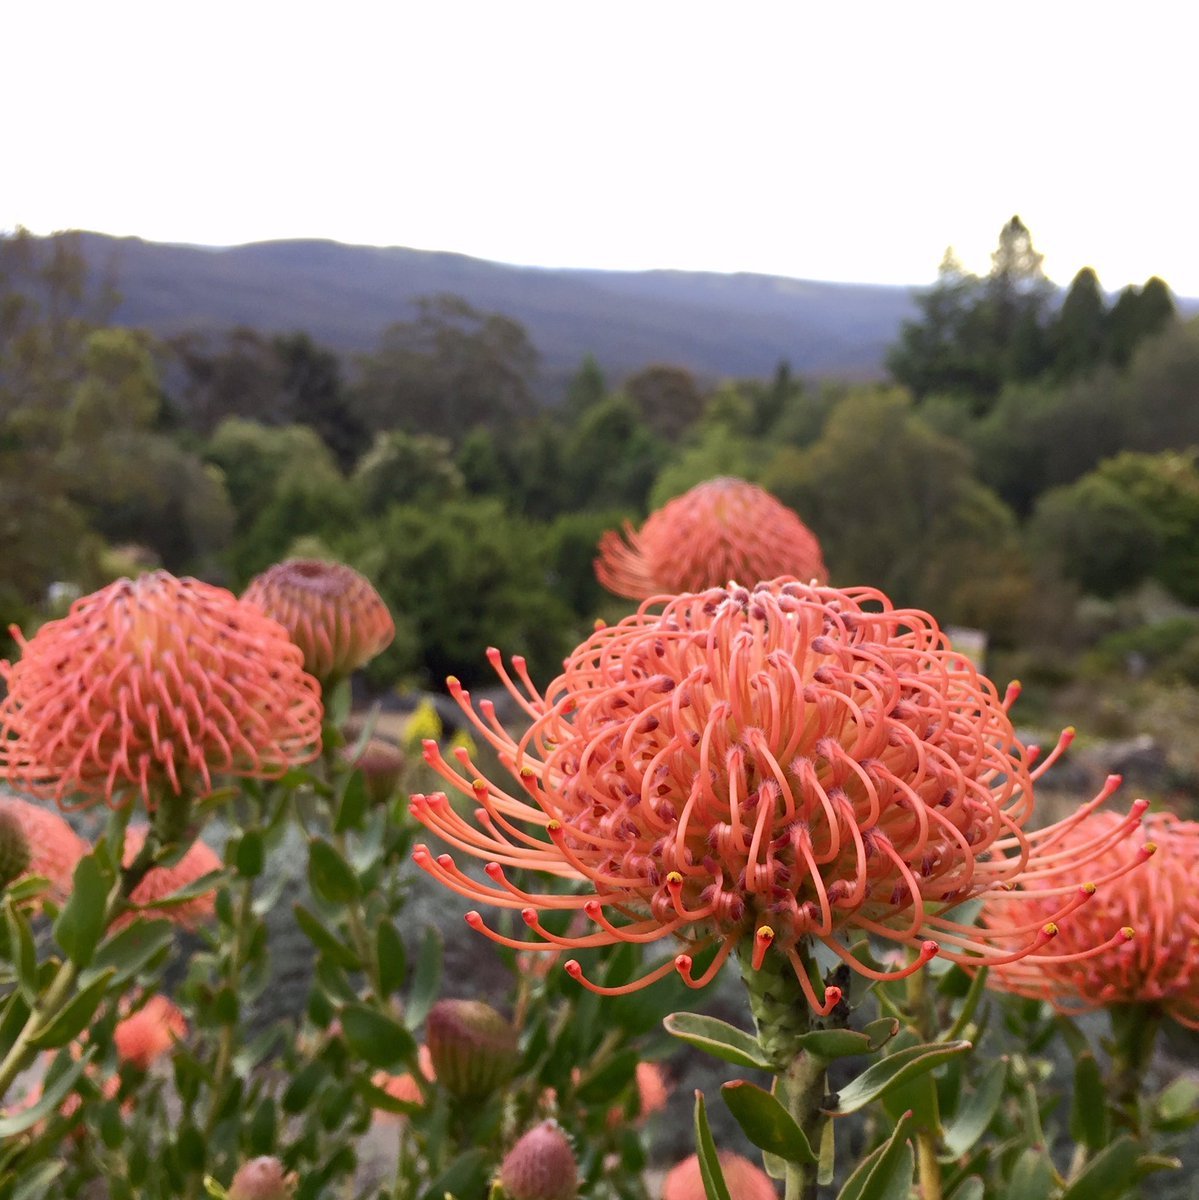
(973,1117)
(971,1188)
(886,1174)
(606,1083)
(895,1069)
(28,887)
(767,1123)
(52,1096)
(835,1043)
(250,856)
(81,922)
(325,940)
(23,951)
(15,1013)
(392,958)
(426,979)
(304,1085)
(353,804)
(375,1037)
(199,887)
(331,877)
(377,1098)
(710,1171)
(719,1039)
(73,1018)
(1108,1176)
(1177,1106)
(131,950)
(1090,1123)
(969,1007)
(880,1032)
(465,1176)
(1032,1177)
(36,1184)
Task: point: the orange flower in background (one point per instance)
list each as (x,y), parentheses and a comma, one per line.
(745,1181)
(757,771)
(149,1033)
(153,685)
(1160,901)
(54,847)
(161,882)
(404,1087)
(331,612)
(723,529)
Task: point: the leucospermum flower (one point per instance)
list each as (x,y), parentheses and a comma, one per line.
(54,847)
(161,882)
(153,685)
(1160,901)
(744,1180)
(723,529)
(758,771)
(147,1034)
(331,612)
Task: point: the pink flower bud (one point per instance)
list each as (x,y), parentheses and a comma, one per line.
(473,1048)
(541,1166)
(15,851)
(263,1179)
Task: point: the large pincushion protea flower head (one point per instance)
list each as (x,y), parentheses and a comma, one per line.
(723,529)
(331,612)
(1161,901)
(153,686)
(761,770)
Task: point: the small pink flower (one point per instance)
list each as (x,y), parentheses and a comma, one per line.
(723,529)
(263,1179)
(149,1033)
(541,1166)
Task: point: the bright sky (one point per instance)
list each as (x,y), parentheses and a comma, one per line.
(838,141)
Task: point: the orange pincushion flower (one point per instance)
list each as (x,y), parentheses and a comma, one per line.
(757,771)
(1160,901)
(404,1087)
(150,685)
(745,1181)
(160,882)
(331,612)
(723,529)
(149,1033)
(55,848)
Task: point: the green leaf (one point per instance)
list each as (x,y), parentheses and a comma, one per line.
(353,804)
(15,1013)
(203,886)
(326,941)
(969,1007)
(426,980)
(81,922)
(895,1069)
(465,1176)
(71,1020)
(767,1123)
(887,1173)
(304,1085)
(1177,1106)
(250,856)
(36,1184)
(610,1080)
(710,1171)
(23,951)
(376,1038)
(132,949)
(331,877)
(1032,1177)
(52,1096)
(970,1121)
(391,956)
(1089,1120)
(376,1097)
(971,1188)
(719,1039)
(1108,1176)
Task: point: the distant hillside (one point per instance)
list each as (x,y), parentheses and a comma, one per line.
(715,325)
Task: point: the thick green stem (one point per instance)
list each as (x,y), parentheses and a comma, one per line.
(1134,1036)
(923,1020)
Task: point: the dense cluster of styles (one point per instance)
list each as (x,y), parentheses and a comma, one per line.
(754,765)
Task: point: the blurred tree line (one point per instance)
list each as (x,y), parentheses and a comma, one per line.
(1032,449)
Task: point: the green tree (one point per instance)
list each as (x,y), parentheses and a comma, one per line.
(1138,314)
(587,388)
(612,458)
(315,395)
(237,373)
(406,468)
(668,399)
(1078,334)
(720,444)
(448,370)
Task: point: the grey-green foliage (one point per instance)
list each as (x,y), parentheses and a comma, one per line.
(406,468)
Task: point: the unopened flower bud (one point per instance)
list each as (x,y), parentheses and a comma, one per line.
(472,1046)
(15,852)
(263,1179)
(541,1166)
(381,763)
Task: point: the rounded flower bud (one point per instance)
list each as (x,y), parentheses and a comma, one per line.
(541,1166)
(15,851)
(54,847)
(263,1179)
(745,1181)
(331,612)
(381,763)
(472,1047)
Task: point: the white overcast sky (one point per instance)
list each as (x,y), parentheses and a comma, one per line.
(846,141)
